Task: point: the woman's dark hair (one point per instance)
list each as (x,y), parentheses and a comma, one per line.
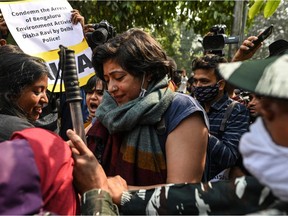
(91,84)
(136,52)
(17,71)
(209,61)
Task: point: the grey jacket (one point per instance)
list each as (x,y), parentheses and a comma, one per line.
(10,124)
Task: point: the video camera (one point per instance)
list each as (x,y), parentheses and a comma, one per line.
(216,40)
(103,32)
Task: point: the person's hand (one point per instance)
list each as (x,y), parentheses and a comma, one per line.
(88,28)
(77,18)
(245,51)
(3,26)
(117,185)
(88,173)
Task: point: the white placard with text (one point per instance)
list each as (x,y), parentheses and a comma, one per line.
(40,26)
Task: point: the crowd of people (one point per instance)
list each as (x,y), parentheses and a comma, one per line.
(152,147)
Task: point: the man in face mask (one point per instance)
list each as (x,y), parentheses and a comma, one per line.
(228,121)
(208,86)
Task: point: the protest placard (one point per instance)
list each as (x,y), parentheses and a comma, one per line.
(39,27)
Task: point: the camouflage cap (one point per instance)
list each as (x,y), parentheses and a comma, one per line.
(266,77)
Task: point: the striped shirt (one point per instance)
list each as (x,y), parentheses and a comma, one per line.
(223,149)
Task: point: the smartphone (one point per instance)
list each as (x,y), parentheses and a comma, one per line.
(265,34)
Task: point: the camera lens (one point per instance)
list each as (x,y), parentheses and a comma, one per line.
(99,36)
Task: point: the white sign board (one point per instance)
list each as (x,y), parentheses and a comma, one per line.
(40,26)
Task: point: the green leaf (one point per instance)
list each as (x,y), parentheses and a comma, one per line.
(271,7)
(215,14)
(255,8)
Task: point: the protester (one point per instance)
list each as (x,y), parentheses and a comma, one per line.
(144,130)
(19,175)
(49,118)
(36,165)
(264,150)
(49,188)
(94,90)
(36,175)
(24,81)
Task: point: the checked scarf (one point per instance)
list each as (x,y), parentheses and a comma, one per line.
(138,157)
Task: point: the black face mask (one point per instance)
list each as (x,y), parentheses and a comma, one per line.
(206,93)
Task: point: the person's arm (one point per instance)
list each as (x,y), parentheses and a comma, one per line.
(76,18)
(244,53)
(93,176)
(88,28)
(97,202)
(90,179)
(186,149)
(240,196)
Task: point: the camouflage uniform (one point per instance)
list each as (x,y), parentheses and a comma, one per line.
(98,202)
(244,195)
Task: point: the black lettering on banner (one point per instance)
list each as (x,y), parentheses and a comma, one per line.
(83,62)
(54,69)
